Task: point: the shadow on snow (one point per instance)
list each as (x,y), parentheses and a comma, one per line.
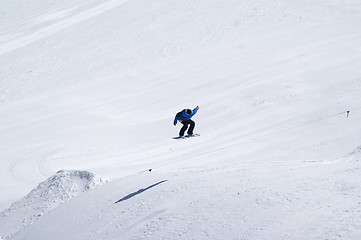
(138,192)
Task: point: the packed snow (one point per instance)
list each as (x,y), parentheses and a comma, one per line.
(50,194)
(89,91)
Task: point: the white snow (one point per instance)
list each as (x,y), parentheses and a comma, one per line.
(94,86)
(48,195)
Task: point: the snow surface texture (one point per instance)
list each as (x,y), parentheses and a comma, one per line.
(50,194)
(94,86)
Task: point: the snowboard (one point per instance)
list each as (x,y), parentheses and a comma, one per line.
(187,136)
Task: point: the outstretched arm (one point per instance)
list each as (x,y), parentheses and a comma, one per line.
(195,111)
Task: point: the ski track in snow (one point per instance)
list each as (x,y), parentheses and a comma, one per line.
(94,86)
(59,26)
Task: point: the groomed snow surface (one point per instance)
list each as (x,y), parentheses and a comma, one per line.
(89,90)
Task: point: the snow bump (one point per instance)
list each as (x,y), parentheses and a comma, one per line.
(48,195)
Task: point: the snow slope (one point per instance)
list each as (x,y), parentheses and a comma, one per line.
(94,86)
(48,195)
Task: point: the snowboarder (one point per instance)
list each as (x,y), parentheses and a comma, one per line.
(185,118)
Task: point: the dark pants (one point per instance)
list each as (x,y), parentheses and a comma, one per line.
(185,126)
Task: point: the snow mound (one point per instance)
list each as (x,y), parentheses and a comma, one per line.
(50,194)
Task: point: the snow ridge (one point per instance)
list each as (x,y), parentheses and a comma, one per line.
(48,195)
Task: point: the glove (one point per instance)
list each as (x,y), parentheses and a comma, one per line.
(175,123)
(197,108)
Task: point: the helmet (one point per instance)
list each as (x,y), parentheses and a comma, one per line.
(188,111)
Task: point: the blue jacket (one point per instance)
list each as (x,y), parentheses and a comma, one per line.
(182,116)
